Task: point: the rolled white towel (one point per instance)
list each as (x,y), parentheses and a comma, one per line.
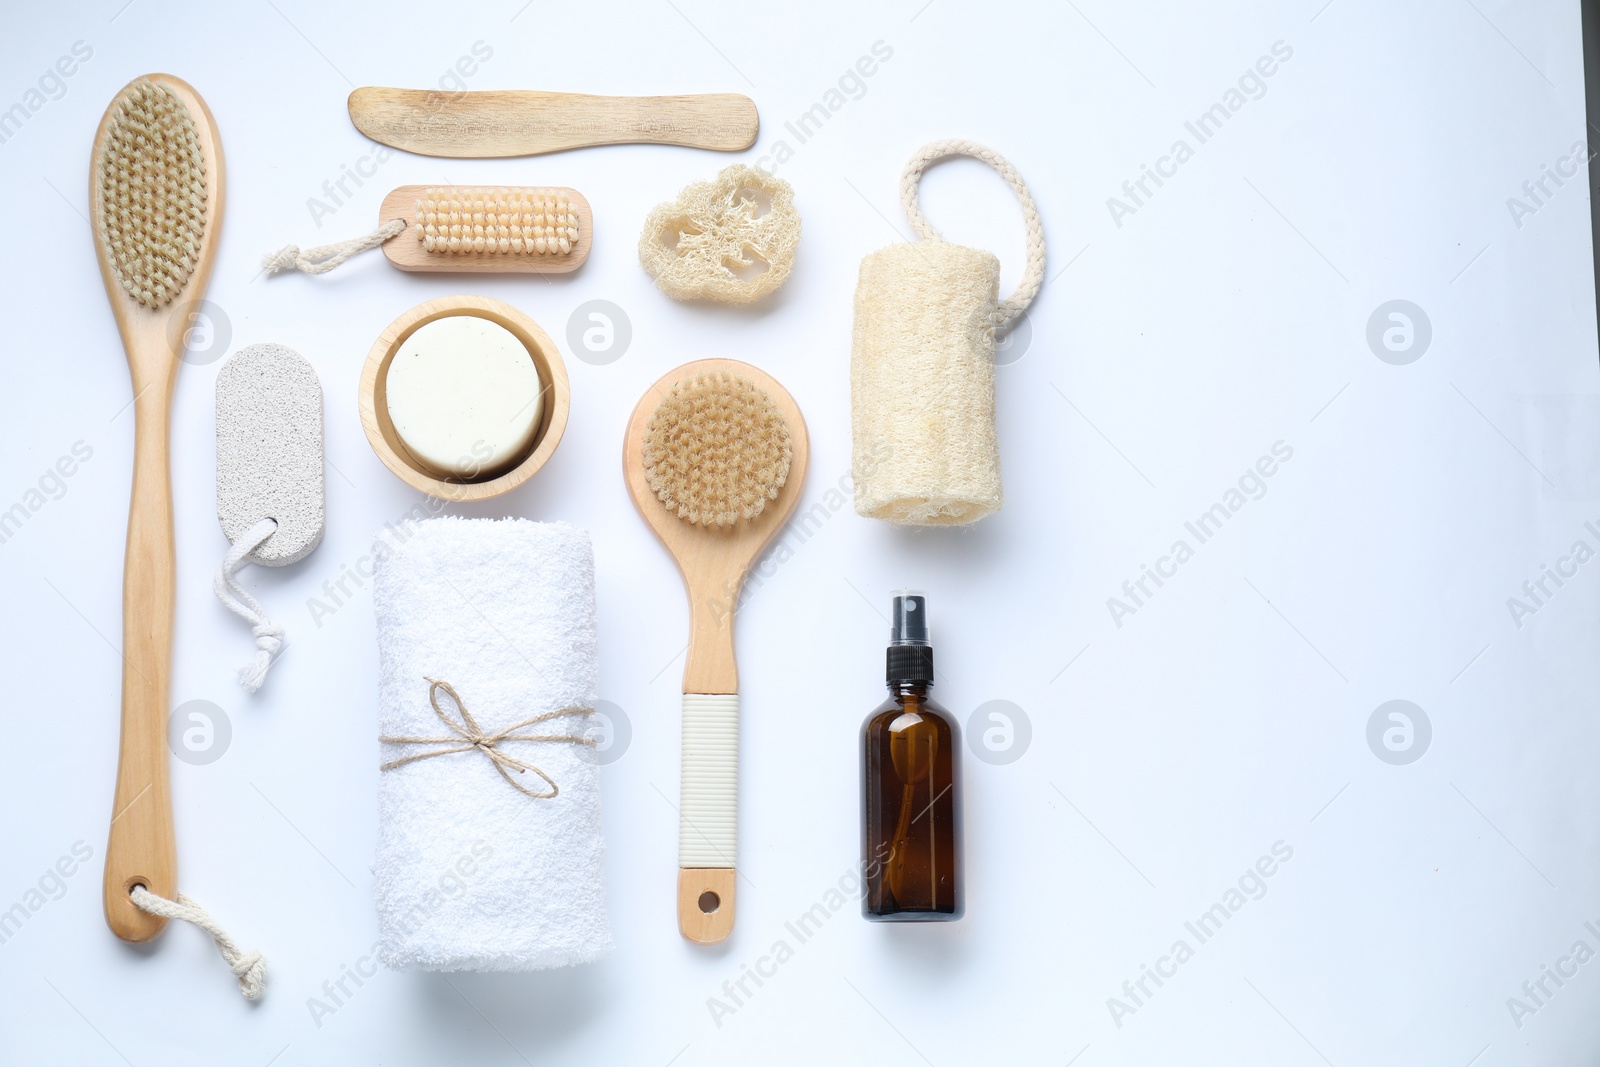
(473,873)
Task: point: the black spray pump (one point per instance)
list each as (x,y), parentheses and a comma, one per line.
(909,657)
(910,785)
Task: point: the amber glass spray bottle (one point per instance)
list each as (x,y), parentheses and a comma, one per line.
(910,786)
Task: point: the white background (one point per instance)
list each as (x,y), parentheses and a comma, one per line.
(1167,355)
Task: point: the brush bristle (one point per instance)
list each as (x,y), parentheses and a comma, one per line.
(536,222)
(151,193)
(716,450)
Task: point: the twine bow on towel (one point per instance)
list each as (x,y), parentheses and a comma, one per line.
(468,736)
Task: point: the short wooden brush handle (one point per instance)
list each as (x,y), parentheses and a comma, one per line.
(521,122)
(142,849)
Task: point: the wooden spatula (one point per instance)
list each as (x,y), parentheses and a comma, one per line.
(517,122)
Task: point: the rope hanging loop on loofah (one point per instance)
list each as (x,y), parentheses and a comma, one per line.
(1033,270)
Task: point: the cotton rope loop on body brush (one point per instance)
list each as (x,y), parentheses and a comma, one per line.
(250,967)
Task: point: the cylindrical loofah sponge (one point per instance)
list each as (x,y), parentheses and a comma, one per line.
(922,385)
(922,365)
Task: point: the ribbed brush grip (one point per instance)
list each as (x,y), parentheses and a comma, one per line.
(708,806)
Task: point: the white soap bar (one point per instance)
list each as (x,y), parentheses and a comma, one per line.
(464,396)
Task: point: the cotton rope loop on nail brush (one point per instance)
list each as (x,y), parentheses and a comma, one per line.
(249,967)
(1033,270)
(268,634)
(322,259)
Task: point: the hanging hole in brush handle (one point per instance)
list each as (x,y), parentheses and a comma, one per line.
(1033,269)
(708,816)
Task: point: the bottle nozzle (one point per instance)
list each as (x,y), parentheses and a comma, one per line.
(909,619)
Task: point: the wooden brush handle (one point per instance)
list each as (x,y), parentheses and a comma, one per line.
(520,122)
(708,816)
(708,791)
(709,666)
(142,849)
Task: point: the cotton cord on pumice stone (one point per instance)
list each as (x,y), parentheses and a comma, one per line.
(268,634)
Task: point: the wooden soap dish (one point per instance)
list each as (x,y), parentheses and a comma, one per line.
(386,441)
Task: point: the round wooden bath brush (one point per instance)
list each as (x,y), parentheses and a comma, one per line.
(715,458)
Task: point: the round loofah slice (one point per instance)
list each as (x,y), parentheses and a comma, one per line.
(731,240)
(716,450)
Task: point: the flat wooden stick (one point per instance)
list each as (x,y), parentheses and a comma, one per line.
(519,122)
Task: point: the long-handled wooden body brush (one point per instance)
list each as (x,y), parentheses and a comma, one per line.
(155,189)
(715,457)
